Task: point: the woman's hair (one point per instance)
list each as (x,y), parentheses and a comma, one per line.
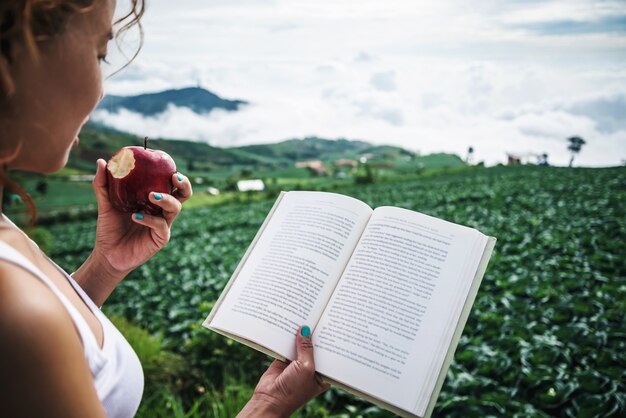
(28,23)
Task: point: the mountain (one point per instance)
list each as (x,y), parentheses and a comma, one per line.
(98,141)
(311,148)
(197,99)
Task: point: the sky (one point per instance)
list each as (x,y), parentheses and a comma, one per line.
(516,76)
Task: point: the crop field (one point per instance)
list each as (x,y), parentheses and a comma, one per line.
(546,336)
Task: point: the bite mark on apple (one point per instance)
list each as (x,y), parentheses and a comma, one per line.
(121,163)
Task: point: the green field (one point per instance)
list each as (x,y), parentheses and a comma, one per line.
(546,336)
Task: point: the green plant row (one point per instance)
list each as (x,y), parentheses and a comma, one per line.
(546,335)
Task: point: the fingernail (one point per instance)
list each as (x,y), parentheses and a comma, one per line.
(305,331)
(158,196)
(180,177)
(138,216)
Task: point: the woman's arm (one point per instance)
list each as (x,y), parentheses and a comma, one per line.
(123,241)
(285,387)
(98,278)
(43,371)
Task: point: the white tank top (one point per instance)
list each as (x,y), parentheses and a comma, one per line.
(116,370)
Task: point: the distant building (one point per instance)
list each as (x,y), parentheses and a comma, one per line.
(543,160)
(315,166)
(524,158)
(346,163)
(513,159)
(82,177)
(366,157)
(344,166)
(255,185)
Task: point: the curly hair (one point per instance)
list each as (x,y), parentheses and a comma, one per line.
(30,22)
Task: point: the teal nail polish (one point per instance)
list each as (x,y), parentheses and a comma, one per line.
(305,331)
(138,216)
(158,196)
(180,177)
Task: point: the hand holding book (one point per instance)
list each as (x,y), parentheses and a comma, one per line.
(387,292)
(284,387)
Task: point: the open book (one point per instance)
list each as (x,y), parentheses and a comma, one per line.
(386,293)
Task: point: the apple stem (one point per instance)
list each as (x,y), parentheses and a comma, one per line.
(145,142)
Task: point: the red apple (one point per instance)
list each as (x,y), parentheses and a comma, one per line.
(134,172)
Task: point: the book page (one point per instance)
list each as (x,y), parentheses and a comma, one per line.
(394,311)
(292,269)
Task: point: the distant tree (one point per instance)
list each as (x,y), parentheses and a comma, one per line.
(575,145)
(231,183)
(365,178)
(470,153)
(10,199)
(42,187)
(311,171)
(6,199)
(543,159)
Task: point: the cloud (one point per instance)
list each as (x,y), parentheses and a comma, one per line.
(554,125)
(438,76)
(385,81)
(363,56)
(440,107)
(283,27)
(608,113)
(608,24)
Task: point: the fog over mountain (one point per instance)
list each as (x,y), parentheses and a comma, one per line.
(196,99)
(503,77)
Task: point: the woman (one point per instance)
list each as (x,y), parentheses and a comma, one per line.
(59,355)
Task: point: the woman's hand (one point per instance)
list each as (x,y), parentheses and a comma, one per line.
(285,387)
(125,241)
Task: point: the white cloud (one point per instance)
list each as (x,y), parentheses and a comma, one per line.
(429,76)
(385,81)
(554,125)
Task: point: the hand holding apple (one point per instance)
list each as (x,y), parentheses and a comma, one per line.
(134,172)
(124,241)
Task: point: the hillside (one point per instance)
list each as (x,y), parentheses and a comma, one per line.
(197,99)
(276,160)
(97,141)
(311,148)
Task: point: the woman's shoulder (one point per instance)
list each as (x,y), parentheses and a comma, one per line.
(23,296)
(27,304)
(33,321)
(30,312)
(40,351)
(16,240)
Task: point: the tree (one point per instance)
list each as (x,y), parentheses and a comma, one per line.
(365,178)
(42,187)
(470,153)
(575,145)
